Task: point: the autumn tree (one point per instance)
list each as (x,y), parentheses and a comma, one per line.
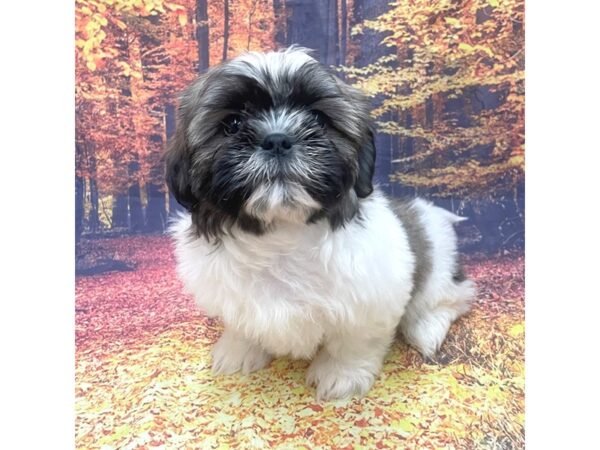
(131,58)
(454,53)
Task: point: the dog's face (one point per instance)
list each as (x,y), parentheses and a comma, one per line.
(270,137)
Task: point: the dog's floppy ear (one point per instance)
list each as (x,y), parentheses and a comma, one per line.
(366,167)
(366,156)
(178,162)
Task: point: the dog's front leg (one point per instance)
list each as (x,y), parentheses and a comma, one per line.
(233,353)
(348,363)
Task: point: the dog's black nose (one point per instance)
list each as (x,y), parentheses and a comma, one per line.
(278,143)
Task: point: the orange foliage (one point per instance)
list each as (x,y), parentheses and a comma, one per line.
(132,59)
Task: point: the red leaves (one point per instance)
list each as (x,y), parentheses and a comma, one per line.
(122,307)
(500,282)
(361,423)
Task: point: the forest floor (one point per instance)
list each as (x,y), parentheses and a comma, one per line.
(143,376)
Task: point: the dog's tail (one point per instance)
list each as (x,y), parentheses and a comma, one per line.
(453,218)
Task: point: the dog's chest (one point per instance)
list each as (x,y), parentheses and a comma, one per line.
(291,272)
(278,293)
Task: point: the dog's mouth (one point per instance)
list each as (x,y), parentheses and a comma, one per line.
(281,199)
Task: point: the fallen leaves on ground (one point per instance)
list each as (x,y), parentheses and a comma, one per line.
(143,375)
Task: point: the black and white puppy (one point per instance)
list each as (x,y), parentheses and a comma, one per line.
(286,239)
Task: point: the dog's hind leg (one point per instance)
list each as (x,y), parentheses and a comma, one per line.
(425,323)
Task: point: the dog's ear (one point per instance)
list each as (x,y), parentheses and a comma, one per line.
(366,156)
(178,165)
(366,167)
(179,153)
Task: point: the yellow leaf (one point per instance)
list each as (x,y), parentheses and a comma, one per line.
(182,17)
(517,160)
(452,21)
(493,3)
(466,47)
(517,330)
(174,7)
(91,65)
(403,426)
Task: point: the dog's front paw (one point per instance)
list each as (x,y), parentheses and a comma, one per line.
(233,353)
(336,380)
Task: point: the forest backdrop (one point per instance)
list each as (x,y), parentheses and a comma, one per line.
(447,83)
(446,78)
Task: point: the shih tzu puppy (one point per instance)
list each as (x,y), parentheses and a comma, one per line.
(285,238)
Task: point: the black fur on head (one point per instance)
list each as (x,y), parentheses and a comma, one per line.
(270,137)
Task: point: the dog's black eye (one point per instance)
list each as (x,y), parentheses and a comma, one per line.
(319,117)
(232,124)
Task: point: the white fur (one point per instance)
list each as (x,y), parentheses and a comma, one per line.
(304,290)
(277,64)
(271,202)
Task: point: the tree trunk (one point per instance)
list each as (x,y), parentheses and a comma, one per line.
(155,209)
(156,215)
(333,54)
(225,29)
(344,32)
(93,218)
(407,149)
(395,150)
(120,213)
(202,35)
(170,113)
(280,23)
(429,110)
(251,13)
(136,214)
(407,146)
(79,199)
(307,26)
